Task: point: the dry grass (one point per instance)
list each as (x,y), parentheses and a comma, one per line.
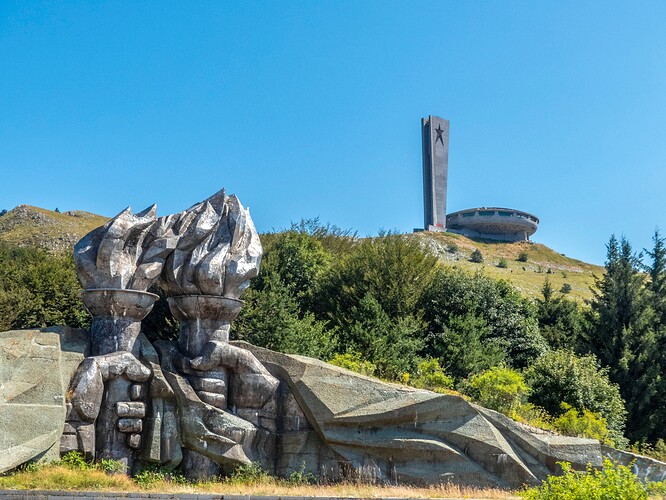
(528,277)
(28,225)
(57,477)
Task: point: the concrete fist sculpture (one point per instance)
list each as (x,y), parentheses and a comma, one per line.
(204,257)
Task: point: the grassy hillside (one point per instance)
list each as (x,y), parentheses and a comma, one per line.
(26,225)
(528,276)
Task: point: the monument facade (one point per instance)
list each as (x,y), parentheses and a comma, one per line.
(435,140)
(499,224)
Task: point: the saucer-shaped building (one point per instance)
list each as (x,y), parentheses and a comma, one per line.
(493,223)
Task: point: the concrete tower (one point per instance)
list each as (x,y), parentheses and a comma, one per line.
(435,135)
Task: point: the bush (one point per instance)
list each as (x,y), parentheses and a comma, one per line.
(563,377)
(431,376)
(156,474)
(523,257)
(510,319)
(585,424)
(502,263)
(612,482)
(566,288)
(476,256)
(499,388)
(352,361)
(452,248)
(249,474)
(656,450)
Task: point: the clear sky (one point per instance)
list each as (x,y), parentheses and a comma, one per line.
(313,108)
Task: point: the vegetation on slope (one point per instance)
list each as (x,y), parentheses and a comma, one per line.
(393,307)
(26,225)
(524,264)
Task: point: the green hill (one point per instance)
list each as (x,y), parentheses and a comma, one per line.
(55,231)
(26,225)
(528,276)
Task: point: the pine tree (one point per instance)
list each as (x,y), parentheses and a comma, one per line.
(656,270)
(622,334)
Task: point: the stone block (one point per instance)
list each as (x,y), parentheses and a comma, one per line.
(128,425)
(32,404)
(134,441)
(131,409)
(137,391)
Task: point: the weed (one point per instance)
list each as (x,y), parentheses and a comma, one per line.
(151,475)
(251,473)
(301,477)
(612,482)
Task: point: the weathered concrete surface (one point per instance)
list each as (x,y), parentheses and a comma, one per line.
(33,379)
(399,433)
(647,469)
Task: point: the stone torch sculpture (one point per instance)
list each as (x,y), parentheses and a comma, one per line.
(205,277)
(116,263)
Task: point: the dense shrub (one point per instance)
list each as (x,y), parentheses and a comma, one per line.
(613,482)
(429,375)
(354,362)
(499,388)
(562,377)
(38,289)
(476,256)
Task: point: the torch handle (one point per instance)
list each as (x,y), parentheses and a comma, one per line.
(112,334)
(111,442)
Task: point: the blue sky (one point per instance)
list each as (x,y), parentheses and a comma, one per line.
(313,108)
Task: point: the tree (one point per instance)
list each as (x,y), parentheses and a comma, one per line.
(657,273)
(392,268)
(476,256)
(562,377)
(463,348)
(391,344)
(656,270)
(561,320)
(621,335)
(38,290)
(271,319)
(510,319)
(298,259)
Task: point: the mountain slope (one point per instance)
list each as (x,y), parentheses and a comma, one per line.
(26,225)
(528,277)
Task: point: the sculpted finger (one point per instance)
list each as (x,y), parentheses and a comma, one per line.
(118,363)
(212,354)
(86,390)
